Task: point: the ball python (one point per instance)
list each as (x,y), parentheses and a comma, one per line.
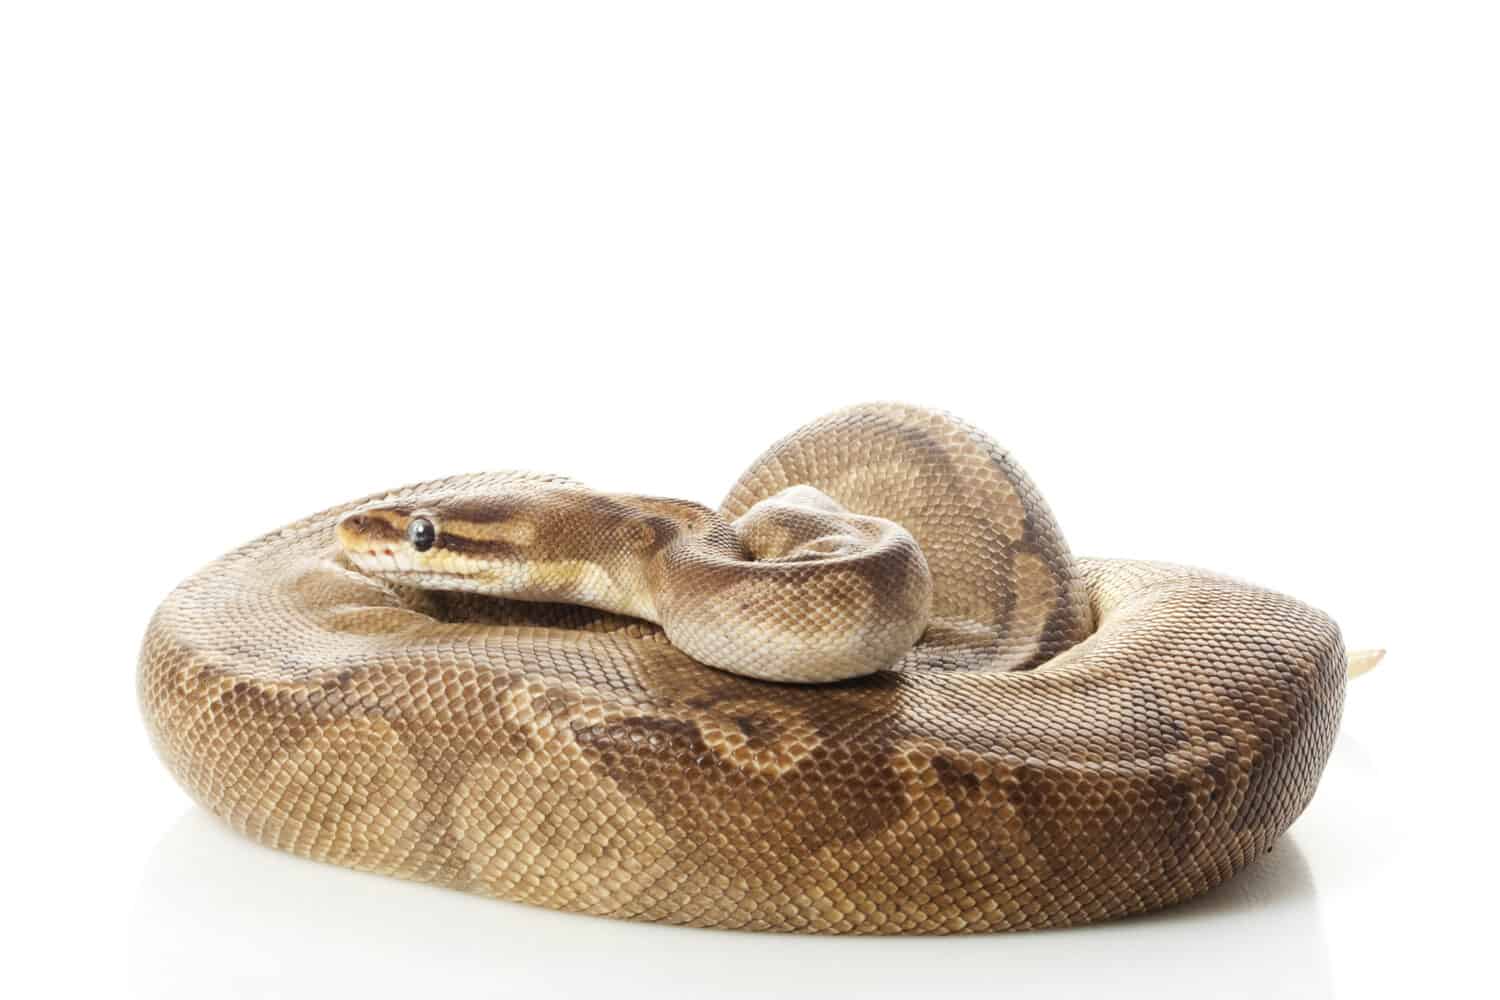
(873,692)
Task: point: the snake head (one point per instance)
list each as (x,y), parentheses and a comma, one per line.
(516,536)
(440,544)
(397,543)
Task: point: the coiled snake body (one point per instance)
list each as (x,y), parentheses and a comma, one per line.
(463,682)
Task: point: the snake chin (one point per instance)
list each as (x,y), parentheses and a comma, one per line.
(406,569)
(401,568)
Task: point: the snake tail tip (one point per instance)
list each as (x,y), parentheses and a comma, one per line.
(1362,661)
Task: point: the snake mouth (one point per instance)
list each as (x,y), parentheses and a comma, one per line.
(401,567)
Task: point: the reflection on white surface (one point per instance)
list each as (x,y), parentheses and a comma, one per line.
(218,915)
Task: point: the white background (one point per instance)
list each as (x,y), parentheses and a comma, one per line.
(1224,277)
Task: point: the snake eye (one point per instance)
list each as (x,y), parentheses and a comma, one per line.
(421,533)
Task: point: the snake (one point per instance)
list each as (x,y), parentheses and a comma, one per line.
(872,692)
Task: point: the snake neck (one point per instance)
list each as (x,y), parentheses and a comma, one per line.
(629,555)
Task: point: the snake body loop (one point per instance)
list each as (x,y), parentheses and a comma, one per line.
(499,683)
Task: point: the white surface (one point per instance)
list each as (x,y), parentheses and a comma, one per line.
(1223,279)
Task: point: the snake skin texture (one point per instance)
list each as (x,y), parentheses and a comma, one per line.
(1069,740)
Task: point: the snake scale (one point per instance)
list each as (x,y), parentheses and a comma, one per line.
(498,683)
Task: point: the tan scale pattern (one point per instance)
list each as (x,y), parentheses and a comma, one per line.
(1173,725)
(821,593)
(972,510)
